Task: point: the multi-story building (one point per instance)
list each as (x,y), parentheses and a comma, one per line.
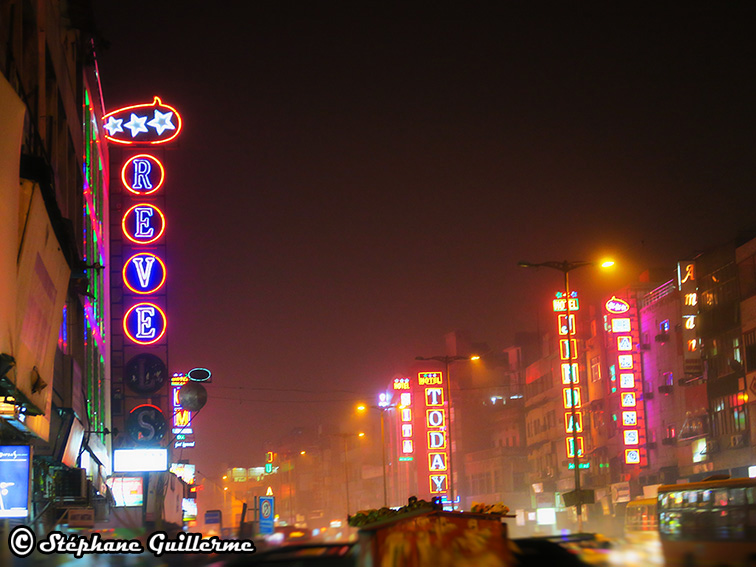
(720,332)
(55,371)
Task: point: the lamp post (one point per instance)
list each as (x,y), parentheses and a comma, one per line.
(566,267)
(447,360)
(346,436)
(383,410)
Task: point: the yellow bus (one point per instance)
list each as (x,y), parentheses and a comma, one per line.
(708,523)
(641,521)
(641,539)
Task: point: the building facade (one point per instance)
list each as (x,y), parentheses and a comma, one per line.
(55,372)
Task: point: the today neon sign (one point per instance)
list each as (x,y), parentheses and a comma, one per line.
(143,174)
(151,123)
(145,323)
(144,273)
(143,223)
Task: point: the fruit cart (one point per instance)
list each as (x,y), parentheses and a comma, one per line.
(424,535)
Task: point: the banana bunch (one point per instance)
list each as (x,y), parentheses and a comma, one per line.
(498,508)
(365,517)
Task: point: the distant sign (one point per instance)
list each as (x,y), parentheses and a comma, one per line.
(267,514)
(620,492)
(213,517)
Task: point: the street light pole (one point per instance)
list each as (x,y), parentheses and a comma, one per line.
(383,460)
(346,436)
(447,360)
(566,267)
(383,409)
(346,473)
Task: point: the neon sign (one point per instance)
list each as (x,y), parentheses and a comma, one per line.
(144,273)
(570,372)
(150,123)
(436,431)
(145,323)
(143,223)
(617,306)
(143,174)
(624,348)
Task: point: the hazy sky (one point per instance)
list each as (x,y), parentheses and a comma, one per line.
(350,186)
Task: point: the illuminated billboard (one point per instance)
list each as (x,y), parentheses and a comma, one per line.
(572,399)
(127,490)
(624,356)
(15,470)
(140,460)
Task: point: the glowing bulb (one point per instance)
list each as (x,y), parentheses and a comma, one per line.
(607,263)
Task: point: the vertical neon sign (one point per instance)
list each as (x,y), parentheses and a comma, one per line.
(686,283)
(569,372)
(624,333)
(143,271)
(182,418)
(436,438)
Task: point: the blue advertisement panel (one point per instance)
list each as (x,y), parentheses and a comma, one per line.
(267,514)
(15,463)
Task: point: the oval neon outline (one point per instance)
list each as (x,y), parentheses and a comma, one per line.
(209,375)
(162,265)
(155,102)
(152,158)
(126,214)
(617,306)
(156,339)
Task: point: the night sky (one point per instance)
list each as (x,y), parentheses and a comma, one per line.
(350,185)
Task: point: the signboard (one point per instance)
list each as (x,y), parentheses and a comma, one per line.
(15,463)
(267,514)
(213,517)
(622,347)
(127,490)
(81,517)
(620,492)
(140,460)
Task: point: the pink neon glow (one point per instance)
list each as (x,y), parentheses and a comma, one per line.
(156,103)
(156,237)
(146,406)
(147,157)
(156,288)
(617,306)
(158,337)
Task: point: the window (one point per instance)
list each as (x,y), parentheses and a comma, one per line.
(749,340)
(595,369)
(730,415)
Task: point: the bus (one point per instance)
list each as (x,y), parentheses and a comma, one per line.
(641,524)
(712,522)
(641,534)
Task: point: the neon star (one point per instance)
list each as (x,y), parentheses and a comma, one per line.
(114,125)
(136,124)
(162,122)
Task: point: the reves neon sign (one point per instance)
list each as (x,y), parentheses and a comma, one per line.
(150,123)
